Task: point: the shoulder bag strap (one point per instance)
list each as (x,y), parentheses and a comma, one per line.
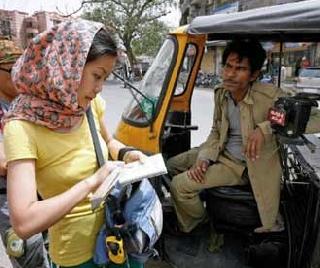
(95,138)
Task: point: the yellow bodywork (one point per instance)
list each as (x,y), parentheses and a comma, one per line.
(148,138)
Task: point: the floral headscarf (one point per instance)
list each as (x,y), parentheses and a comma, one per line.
(48,74)
(9,51)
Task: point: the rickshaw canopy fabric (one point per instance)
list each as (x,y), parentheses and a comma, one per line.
(293,21)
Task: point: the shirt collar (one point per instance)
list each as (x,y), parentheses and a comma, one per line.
(247,99)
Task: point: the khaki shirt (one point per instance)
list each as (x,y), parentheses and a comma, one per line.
(265,172)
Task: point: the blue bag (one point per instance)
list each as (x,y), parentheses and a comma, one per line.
(141,221)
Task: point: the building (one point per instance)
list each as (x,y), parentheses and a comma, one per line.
(20,27)
(211,63)
(193,8)
(12,25)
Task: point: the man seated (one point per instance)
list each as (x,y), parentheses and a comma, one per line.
(241,140)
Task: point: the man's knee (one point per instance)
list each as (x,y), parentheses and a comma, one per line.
(176,183)
(182,185)
(172,166)
(181,162)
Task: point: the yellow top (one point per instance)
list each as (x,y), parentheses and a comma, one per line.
(62,160)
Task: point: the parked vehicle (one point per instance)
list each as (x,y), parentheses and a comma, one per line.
(207,80)
(158,119)
(309,80)
(267,79)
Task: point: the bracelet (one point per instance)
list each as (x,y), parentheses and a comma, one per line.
(123,151)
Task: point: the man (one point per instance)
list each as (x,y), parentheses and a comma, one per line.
(241,142)
(30,253)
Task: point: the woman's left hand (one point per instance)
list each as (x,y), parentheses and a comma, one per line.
(132,156)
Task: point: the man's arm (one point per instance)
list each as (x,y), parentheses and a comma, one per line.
(261,134)
(208,149)
(265,126)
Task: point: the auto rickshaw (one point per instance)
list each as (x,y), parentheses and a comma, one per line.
(158,119)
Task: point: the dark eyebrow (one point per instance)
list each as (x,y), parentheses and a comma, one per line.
(103,69)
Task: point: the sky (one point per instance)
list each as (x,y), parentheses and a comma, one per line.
(66,6)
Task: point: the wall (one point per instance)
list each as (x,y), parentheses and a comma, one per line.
(18,24)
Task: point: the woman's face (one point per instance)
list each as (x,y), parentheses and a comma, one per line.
(93,77)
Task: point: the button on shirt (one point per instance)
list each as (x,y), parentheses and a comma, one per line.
(234,142)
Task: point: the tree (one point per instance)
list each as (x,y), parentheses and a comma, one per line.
(150,38)
(129,18)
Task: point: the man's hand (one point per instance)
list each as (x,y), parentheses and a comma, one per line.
(198,171)
(254,144)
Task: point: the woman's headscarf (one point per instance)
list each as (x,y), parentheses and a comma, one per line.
(48,74)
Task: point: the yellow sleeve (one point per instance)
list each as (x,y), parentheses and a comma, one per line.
(19,140)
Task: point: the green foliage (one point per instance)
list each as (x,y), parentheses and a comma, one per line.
(133,20)
(152,36)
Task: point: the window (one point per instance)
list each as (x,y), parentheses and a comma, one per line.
(5,28)
(186,68)
(142,107)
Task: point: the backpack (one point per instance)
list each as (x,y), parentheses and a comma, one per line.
(134,213)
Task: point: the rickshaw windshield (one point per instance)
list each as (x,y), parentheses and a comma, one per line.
(142,107)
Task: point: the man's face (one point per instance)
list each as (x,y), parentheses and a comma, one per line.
(237,74)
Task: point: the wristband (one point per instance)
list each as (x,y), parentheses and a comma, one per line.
(123,151)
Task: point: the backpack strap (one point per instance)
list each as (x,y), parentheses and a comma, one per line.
(95,138)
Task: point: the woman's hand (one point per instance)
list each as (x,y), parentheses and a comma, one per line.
(29,215)
(100,175)
(134,155)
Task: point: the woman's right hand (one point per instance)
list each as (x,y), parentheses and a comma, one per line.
(100,175)
(29,215)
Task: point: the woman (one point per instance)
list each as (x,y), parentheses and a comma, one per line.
(50,149)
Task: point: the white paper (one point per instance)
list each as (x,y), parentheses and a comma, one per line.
(129,173)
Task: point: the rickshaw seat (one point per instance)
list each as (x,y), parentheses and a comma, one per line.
(232,208)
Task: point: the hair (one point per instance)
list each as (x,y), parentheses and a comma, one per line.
(102,44)
(250,49)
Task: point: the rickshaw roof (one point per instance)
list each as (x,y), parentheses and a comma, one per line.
(290,22)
